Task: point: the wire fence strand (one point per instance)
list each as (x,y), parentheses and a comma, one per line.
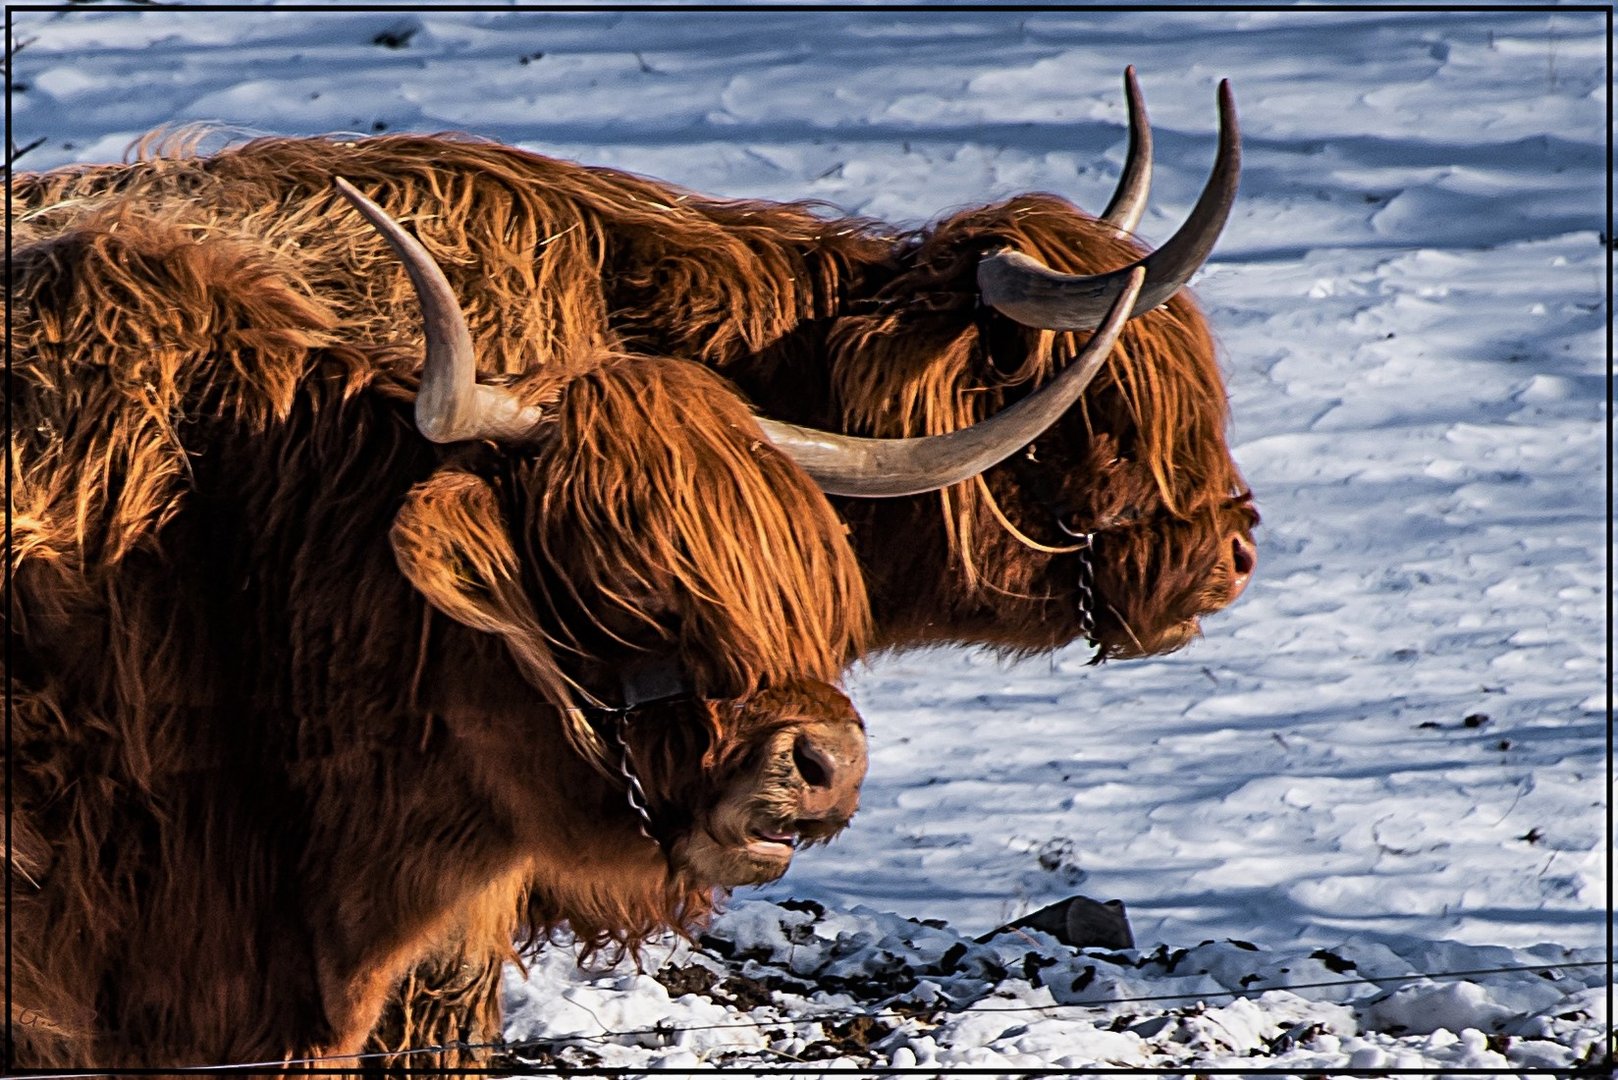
(881,1012)
(1245,992)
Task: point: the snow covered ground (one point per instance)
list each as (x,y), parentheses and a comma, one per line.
(1389,758)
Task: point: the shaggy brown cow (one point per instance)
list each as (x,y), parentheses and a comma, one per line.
(300,697)
(1124,523)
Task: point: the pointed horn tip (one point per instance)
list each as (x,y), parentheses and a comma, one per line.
(1229,127)
(348,191)
(1132,91)
(361,202)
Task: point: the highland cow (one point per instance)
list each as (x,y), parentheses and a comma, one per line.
(306,690)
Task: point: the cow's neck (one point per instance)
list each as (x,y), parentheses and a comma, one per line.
(491,792)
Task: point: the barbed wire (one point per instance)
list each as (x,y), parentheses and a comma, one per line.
(881,1012)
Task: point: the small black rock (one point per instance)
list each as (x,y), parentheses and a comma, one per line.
(1080,922)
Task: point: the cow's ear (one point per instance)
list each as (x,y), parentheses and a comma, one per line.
(451,542)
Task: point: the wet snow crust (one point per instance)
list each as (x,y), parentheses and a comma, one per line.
(1388,759)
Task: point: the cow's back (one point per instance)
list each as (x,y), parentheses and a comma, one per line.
(553,261)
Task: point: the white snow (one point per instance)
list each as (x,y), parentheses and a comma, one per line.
(1410,302)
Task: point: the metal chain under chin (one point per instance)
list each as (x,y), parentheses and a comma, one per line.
(649,681)
(1083,549)
(1085,588)
(632,789)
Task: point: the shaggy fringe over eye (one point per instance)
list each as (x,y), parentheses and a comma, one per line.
(660,490)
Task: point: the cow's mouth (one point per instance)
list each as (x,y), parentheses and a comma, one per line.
(772,844)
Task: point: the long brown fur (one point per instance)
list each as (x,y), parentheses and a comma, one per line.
(552,260)
(838,322)
(289,683)
(827,320)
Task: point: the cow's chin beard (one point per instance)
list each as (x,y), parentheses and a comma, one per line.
(1155,625)
(1118,644)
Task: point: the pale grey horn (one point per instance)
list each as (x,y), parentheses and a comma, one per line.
(884,468)
(1135,182)
(1026,290)
(451,405)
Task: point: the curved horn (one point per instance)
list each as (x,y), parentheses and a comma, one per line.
(1033,294)
(450,406)
(883,468)
(1135,182)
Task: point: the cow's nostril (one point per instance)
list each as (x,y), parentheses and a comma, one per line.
(1243,560)
(813,764)
(1244,557)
